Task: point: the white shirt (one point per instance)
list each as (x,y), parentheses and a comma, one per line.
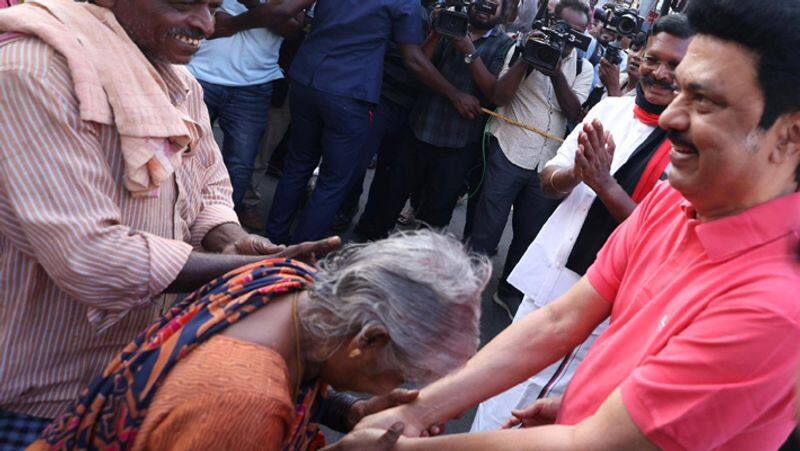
(535,104)
(541,272)
(244,59)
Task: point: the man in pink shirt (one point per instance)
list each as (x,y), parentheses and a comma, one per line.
(701,282)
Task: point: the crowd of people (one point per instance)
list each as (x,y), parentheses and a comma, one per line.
(650,168)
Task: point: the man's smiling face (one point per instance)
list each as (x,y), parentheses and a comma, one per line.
(166,30)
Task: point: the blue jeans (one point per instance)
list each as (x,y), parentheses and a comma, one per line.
(18,431)
(507,185)
(389,128)
(242,113)
(324,126)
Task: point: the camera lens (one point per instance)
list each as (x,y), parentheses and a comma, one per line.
(626,25)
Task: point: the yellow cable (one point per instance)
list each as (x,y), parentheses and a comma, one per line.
(521,125)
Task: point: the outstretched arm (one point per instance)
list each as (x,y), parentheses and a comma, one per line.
(273,15)
(542,338)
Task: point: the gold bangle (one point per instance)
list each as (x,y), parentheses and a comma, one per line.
(553,183)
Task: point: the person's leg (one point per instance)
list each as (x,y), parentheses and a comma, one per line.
(215,97)
(304,154)
(392,186)
(445,183)
(347,124)
(382,122)
(391,146)
(501,186)
(278,121)
(475,182)
(531,210)
(243,122)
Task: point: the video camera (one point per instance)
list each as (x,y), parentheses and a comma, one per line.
(624,21)
(544,52)
(454,21)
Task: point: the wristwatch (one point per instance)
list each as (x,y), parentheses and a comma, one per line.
(470,58)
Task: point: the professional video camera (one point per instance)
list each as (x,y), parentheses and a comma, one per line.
(624,21)
(454,21)
(544,50)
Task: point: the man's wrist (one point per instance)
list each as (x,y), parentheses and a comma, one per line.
(604,186)
(557,76)
(223,235)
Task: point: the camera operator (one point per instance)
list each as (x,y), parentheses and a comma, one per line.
(543,99)
(619,85)
(444,145)
(601,38)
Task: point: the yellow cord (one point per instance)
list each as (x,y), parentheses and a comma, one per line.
(521,125)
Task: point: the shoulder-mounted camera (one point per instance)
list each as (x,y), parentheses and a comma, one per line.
(544,46)
(453,21)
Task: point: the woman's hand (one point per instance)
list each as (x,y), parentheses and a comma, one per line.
(412,427)
(369,440)
(397,397)
(543,411)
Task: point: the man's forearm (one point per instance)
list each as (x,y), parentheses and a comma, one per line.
(483,78)
(617,201)
(269,15)
(429,46)
(610,428)
(425,71)
(551,438)
(201,268)
(567,99)
(507,85)
(519,352)
(222,235)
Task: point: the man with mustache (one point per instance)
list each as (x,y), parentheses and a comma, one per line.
(112,191)
(700,282)
(600,186)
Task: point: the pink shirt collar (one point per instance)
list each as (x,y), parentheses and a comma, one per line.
(727,237)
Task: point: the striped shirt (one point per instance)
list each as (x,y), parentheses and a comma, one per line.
(82,262)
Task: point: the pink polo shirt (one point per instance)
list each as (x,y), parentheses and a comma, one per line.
(704,339)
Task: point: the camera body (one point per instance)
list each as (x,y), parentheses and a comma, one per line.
(613,53)
(454,21)
(544,52)
(624,21)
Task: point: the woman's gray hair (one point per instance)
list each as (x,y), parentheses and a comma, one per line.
(422,286)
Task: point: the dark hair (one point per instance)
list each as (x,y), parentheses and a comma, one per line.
(577,5)
(769,30)
(674,24)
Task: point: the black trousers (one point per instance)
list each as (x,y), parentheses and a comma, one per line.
(439,174)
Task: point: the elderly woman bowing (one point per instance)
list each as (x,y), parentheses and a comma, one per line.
(246,362)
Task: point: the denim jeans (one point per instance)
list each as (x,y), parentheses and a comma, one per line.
(324,126)
(242,113)
(507,185)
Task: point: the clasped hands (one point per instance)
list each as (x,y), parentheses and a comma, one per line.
(594,156)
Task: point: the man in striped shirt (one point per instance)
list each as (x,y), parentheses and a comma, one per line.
(85,265)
